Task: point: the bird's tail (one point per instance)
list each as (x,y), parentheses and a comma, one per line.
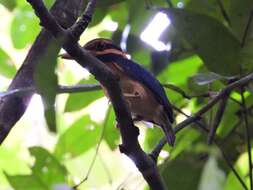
(169,133)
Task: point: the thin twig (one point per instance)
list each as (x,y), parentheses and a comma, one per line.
(223,12)
(235,100)
(13,107)
(231,167)
(248,137)
(223,93)
(163,141)
(217,119)
(246,31)
(96,152)
(61,89)
(78,28)
(79,88)
(184,94)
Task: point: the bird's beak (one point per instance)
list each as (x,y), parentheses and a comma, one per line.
(65,56)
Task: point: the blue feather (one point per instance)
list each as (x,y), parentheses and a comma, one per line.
(138,73)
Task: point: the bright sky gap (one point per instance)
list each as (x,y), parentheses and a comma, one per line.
(153,31)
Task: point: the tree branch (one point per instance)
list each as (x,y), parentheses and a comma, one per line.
(13,107)
(197,116)
(129,133)
(159,147)
(185,95)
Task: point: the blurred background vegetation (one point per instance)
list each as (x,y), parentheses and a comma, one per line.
(32,158)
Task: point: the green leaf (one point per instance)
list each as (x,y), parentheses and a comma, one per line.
(247,56)
(152,138)
(210,8)
(7,67)
(47,168)
(138,16)
(184,141)
(239,12)
(229,119)
(24,26)
(106,3)
(179,72)
(26,182)
(78,101)
(212,41)
(49,3)
(111,133)
(182,173)
(9,4)
(46,172)
(98,16)
(47,83)
(78,138)
(21,3)
(119,14)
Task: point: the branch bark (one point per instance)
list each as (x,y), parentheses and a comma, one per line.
(13,107)
(129,133)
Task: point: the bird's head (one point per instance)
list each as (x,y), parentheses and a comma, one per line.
(99,46)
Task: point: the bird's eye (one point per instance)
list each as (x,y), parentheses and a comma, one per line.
(100,47)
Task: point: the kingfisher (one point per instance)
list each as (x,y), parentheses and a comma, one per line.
(143,93)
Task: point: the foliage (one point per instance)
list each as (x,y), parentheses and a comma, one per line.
(207,53)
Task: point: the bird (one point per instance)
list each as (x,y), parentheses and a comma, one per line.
(144,95)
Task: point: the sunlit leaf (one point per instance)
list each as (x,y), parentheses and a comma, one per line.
(179,72)
(79,138)
(78,101)
(26,182)
(47,168)
(11,162)
(7,67)
(46,172)
(212,41)
(24,26)
(111,132)
(152,138)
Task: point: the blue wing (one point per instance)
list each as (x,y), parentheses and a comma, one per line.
(138,73)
